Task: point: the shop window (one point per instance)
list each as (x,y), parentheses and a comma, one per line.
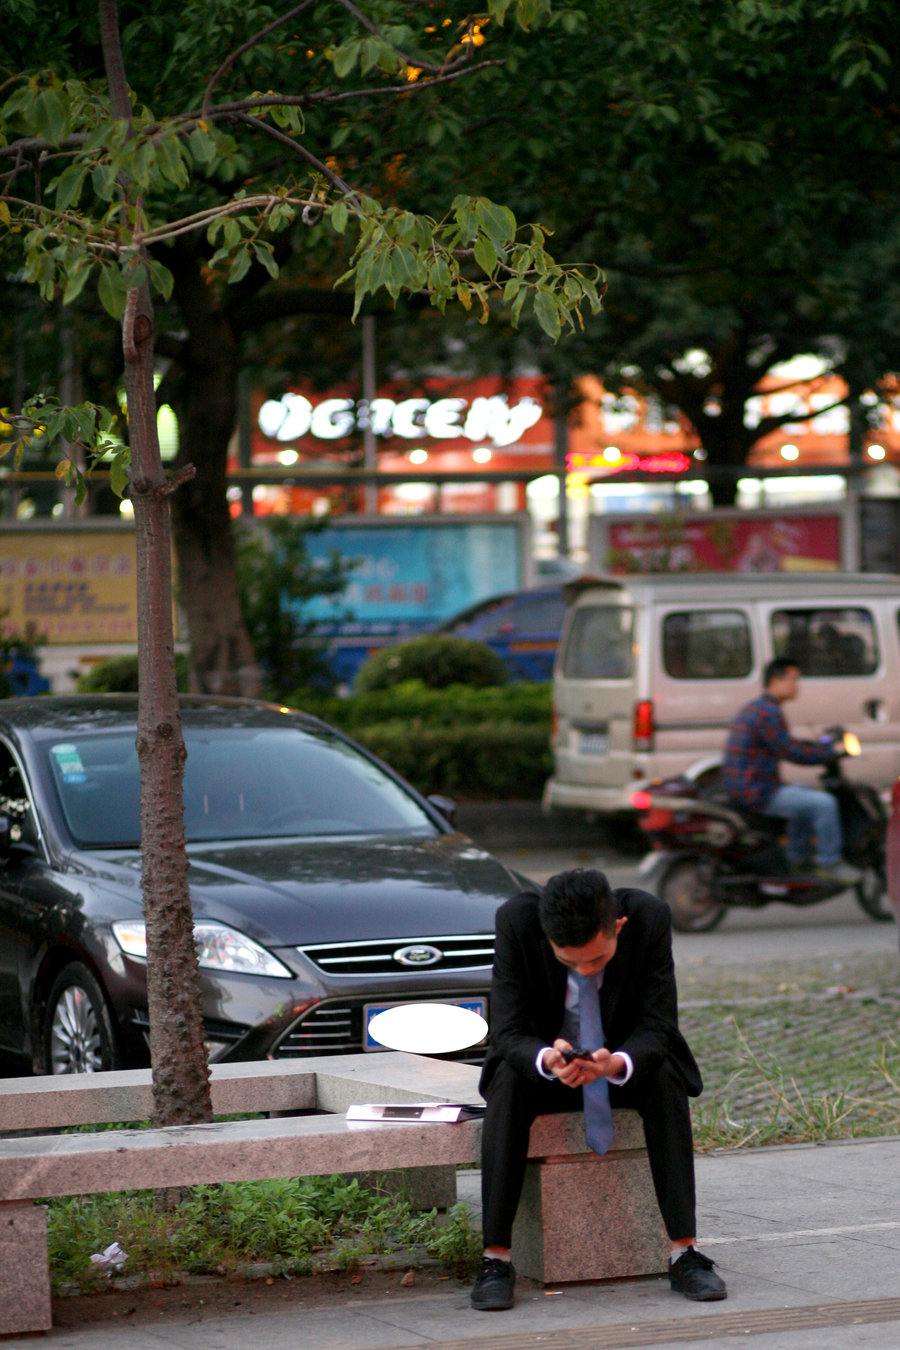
(826,642)
(709,644)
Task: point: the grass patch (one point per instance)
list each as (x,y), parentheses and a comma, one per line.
(795,1051)
(292,1225)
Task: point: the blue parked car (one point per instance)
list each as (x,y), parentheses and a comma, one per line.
(522,627)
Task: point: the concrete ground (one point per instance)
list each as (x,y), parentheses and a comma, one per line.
(807,1236)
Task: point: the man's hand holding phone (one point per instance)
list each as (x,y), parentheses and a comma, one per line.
(575,1065)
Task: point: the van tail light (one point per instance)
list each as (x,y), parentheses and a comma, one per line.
(641,801)
(642,727)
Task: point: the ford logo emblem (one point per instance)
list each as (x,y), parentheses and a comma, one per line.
(421,954)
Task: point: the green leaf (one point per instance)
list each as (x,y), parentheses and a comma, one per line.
(344,58)
(50,112)
(77,278)
(486,255)
(265,256)
(161,279)
(498,222)
(202,147)
(118,474)
(547,314)
(232,233)
(69,185)
(338,217)
(112,292)
(240,267)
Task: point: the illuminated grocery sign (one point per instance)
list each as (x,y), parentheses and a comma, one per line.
(669,461)
(477,419)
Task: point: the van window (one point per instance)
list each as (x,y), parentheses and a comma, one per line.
(826,641)
(599,646)
(707,644)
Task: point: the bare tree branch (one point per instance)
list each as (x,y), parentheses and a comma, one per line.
(251,42)
(334,179)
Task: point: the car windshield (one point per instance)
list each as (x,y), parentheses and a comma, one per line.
(254,783)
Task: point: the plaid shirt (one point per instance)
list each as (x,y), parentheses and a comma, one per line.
(758,739)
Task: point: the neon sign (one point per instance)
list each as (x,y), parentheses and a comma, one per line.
(669,461)
(482,419)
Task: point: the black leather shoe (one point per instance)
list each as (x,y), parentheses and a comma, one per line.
(693,1275)
(494,1283)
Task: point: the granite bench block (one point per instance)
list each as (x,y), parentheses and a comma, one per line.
(584,1217)
(25,1305)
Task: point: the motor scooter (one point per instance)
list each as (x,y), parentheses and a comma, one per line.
(707,856)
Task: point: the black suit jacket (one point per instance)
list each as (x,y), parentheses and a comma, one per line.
(638,1000)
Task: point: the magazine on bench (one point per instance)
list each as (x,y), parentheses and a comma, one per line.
(415,1112)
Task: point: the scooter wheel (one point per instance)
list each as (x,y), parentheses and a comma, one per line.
(686,887)
(871,894)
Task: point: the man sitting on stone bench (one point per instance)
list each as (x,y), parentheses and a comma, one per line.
(585,967)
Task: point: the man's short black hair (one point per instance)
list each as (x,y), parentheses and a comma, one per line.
(575,906)
(778,666)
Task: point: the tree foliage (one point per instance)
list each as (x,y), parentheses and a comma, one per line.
(264,159)
(277,578)
(736,168)
(103,181)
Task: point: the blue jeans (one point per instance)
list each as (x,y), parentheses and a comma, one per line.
(809,812)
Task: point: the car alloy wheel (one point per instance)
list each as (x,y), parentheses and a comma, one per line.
(78,1034)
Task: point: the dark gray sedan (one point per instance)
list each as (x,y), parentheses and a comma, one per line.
(324,888)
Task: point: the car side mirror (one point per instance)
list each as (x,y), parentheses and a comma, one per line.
(446,806)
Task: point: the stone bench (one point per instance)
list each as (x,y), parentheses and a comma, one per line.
(569,1193)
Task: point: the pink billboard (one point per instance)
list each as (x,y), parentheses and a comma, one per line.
(736,542)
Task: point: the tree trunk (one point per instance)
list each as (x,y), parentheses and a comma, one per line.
(204,396)
(177,1051)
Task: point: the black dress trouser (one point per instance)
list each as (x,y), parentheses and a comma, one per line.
(513,1101)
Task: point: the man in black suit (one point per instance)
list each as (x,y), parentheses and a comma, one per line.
(545,945)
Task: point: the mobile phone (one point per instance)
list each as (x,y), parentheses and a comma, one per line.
(569,1055)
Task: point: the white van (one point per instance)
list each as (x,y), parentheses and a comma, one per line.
(651,670)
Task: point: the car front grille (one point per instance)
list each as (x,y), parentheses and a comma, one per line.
(392,956)
(332,1028)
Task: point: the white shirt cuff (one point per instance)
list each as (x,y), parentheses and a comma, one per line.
(621,1079)
(539,1063)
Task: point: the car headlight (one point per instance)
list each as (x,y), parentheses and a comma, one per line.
(218,948)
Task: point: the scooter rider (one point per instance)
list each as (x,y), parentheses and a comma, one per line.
(759,738)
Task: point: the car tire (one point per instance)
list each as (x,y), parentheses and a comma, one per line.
(77,1034)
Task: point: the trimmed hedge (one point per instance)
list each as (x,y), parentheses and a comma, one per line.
(438,660)
(498,762)
(522,702)
(479,744)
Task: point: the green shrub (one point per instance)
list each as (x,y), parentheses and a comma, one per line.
(437,660)
(521,701)
(478,743)
(119,675)
(492,762)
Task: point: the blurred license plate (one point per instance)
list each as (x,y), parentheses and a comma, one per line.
(477,1005)
(593,742)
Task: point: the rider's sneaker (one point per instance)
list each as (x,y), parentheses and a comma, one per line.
(839,871)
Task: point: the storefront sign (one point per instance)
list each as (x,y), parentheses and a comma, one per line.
(73,586)
(490,419)
(595,463)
